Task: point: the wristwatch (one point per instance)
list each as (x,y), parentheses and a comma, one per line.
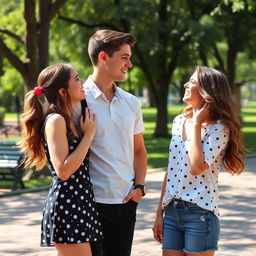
(141,187)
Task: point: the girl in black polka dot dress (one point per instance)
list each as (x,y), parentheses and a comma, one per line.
(205,136)
(70,219)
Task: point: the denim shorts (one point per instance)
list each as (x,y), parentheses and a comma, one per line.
(189,228)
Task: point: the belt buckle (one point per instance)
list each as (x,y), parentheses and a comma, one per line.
(175,202)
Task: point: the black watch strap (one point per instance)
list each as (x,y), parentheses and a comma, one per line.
(141,187)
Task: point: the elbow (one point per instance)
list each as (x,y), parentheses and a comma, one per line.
(196,170)
(62,174)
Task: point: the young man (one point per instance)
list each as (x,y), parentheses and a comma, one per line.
(118,158)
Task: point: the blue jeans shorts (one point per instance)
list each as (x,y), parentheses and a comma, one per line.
(189,228)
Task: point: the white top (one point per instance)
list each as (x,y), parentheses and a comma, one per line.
(181,184)
(112,150)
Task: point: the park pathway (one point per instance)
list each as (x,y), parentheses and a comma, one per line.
(20,218)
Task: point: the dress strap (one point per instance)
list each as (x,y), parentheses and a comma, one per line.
(45,120)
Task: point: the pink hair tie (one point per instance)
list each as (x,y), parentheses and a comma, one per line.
(38,91)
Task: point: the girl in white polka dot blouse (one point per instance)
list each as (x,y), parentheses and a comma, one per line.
(205,136)
(70,218)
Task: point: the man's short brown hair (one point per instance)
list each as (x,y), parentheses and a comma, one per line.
(108,41)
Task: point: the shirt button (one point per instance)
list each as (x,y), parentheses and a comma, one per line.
(176,192)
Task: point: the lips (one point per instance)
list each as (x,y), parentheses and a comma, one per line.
(186,93)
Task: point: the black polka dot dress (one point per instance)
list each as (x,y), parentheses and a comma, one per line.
(181,184)
(70,214)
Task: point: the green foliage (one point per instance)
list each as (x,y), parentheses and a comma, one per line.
(12,84)
(183,30)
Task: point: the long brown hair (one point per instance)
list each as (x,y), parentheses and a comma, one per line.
(215,90)
(36,108)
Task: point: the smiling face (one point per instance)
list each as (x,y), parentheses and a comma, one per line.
(75,87)
(118,64)
(192,95)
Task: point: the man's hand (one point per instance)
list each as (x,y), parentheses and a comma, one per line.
(134,195)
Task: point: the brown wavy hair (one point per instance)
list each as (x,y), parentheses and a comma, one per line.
(215,90)
(36,108)
(109,41)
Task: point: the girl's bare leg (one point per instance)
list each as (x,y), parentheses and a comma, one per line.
(209,253)
(173,253)
(83,249)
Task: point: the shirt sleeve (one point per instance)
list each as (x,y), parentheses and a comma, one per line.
(216,140)
(139,126)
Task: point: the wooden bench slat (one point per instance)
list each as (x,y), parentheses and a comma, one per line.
(9,143)
(10,169)
(10,152)
(9,147)
(11,157)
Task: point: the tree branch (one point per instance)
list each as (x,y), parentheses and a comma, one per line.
(11,34)
(83,24)
(241,83)
(12,58)
(54,9)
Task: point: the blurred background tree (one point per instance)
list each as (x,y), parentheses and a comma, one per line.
(26,44)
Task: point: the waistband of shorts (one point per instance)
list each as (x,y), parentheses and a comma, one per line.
(176,201)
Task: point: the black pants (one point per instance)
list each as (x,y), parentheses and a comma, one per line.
(118,221)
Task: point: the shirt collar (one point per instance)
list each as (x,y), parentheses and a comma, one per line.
(96,92)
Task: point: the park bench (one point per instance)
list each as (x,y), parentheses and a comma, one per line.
(11,168)
(5,129)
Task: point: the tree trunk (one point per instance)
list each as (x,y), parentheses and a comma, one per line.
(161,98)
(31,62)
(236,97)
(37,40)
(151,99)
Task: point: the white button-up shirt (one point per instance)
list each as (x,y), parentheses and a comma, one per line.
(112,149)
(181,184)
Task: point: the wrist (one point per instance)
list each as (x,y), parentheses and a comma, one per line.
(196,123)
(141,187)
(159,212)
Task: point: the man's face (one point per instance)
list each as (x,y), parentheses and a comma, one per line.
(118,64)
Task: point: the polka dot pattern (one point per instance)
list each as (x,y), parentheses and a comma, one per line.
(69,215)
(181,184)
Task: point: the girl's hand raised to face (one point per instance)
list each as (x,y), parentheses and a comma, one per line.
(201,115)
(88,126)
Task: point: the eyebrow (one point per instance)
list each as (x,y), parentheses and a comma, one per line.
(193,80)
(126,54)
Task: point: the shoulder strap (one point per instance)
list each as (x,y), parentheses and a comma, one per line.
(44,123)
(84,106)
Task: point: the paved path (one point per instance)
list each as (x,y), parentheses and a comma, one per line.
(20,219)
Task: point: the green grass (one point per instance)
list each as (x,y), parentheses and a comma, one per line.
(251,103)
(249,128)
(157,148)
(28,183)
(11,116)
